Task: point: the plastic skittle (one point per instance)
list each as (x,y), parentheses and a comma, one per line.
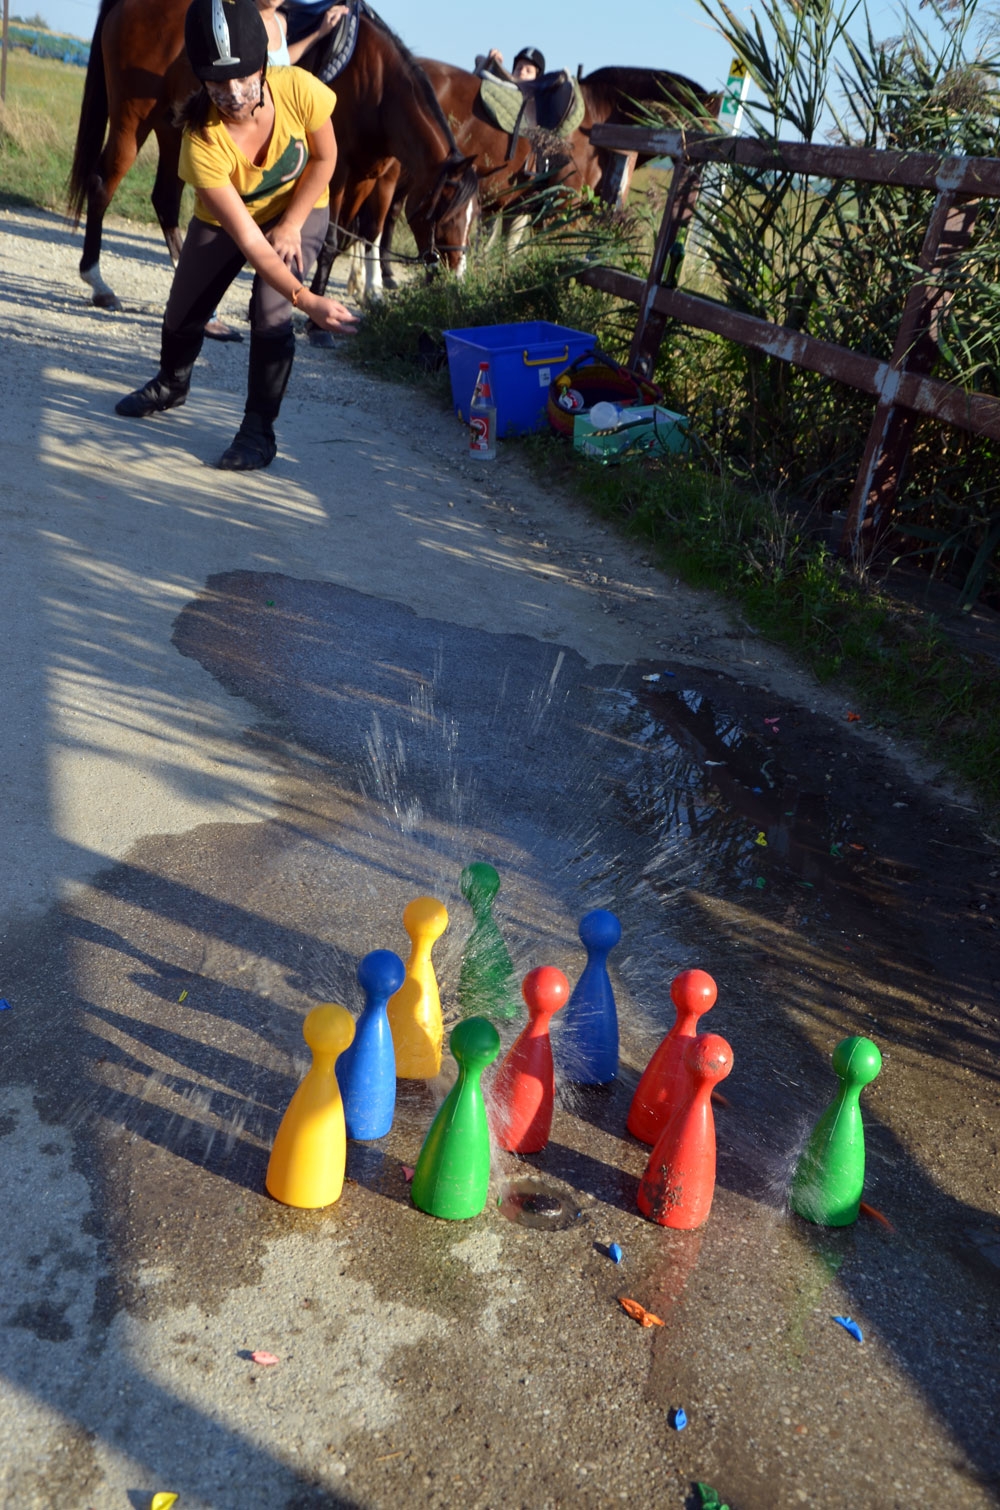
(306,1167)
(588,1044)
(452,1175)
(693,993)
(830,1175)
(486,984)
(524,1088)
(415,1010)
(679,1183)
(367,1070)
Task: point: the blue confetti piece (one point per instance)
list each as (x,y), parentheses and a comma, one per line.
(615,1253)
(756,790)
(850,1326)
(5,1005)
(670,673)
(678,1418)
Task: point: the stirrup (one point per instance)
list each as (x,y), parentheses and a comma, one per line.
(153,398)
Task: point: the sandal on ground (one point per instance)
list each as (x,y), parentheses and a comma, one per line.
(218,330)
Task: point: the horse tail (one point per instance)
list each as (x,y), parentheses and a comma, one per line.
(93,120)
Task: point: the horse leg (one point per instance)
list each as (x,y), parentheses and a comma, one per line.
(516,230)
(370,224)
(389,279)
(345,206)
(321,277)
(168,188)
(356,276)
(392,190)
(125,137)
(373,268)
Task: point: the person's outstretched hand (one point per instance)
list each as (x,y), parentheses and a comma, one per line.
(328,314)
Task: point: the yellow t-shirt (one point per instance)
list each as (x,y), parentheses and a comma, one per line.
(210,158)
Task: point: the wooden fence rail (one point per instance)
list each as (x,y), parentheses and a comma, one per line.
(901,385)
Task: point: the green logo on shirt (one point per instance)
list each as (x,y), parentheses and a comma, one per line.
(285,171)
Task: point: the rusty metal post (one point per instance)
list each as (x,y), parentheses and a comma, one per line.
(684,187)
(914,351)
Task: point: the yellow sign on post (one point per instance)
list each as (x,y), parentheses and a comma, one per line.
(736,90)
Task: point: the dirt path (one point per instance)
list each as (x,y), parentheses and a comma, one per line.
(246,719)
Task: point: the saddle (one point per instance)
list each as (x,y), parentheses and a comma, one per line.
(555,104)
(552,106)
(335,51)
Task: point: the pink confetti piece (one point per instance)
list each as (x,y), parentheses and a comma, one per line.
(266,1360)
(407,1173)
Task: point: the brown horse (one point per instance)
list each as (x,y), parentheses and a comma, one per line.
(511,173)
(138,72)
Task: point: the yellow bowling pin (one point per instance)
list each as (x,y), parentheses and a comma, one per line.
(307,1161)
(415,1010)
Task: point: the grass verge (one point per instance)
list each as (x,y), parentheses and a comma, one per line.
(38,124)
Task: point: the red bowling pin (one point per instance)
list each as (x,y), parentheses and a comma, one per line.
(663,1080)
(524,1088)
(677,1187)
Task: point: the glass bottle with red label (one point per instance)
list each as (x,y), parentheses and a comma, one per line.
(483,417)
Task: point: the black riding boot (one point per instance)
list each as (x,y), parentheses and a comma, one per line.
(254,445)
(169,388)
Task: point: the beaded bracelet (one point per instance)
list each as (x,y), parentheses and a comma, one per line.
(295,297)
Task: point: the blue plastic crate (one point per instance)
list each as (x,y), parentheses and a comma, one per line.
(524,358)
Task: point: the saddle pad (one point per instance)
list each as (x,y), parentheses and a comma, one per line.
(501,101)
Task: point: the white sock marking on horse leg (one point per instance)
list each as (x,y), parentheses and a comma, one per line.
(373,272)
(104,295)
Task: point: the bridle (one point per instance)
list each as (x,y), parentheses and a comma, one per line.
(431,257)
(465,189)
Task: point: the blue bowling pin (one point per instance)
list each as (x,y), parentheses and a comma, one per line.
(588,1043)
(366,1072)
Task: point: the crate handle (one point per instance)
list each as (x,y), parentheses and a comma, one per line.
(545,361)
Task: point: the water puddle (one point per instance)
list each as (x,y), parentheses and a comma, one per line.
(715,782)
(541,1207)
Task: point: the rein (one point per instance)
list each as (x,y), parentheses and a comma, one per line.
(432,200)
(430,258)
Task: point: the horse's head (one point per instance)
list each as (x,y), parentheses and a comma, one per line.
(442,221)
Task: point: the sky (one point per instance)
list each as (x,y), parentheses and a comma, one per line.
(678,36)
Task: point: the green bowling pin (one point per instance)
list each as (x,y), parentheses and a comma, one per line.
(486,984)
(452,1177)
(830,1175)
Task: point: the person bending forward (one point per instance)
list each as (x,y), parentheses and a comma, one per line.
(260,154)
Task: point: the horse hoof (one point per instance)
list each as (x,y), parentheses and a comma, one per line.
(321,338)
(107,301)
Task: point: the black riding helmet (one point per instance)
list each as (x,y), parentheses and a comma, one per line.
(225,39)
(530,55)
